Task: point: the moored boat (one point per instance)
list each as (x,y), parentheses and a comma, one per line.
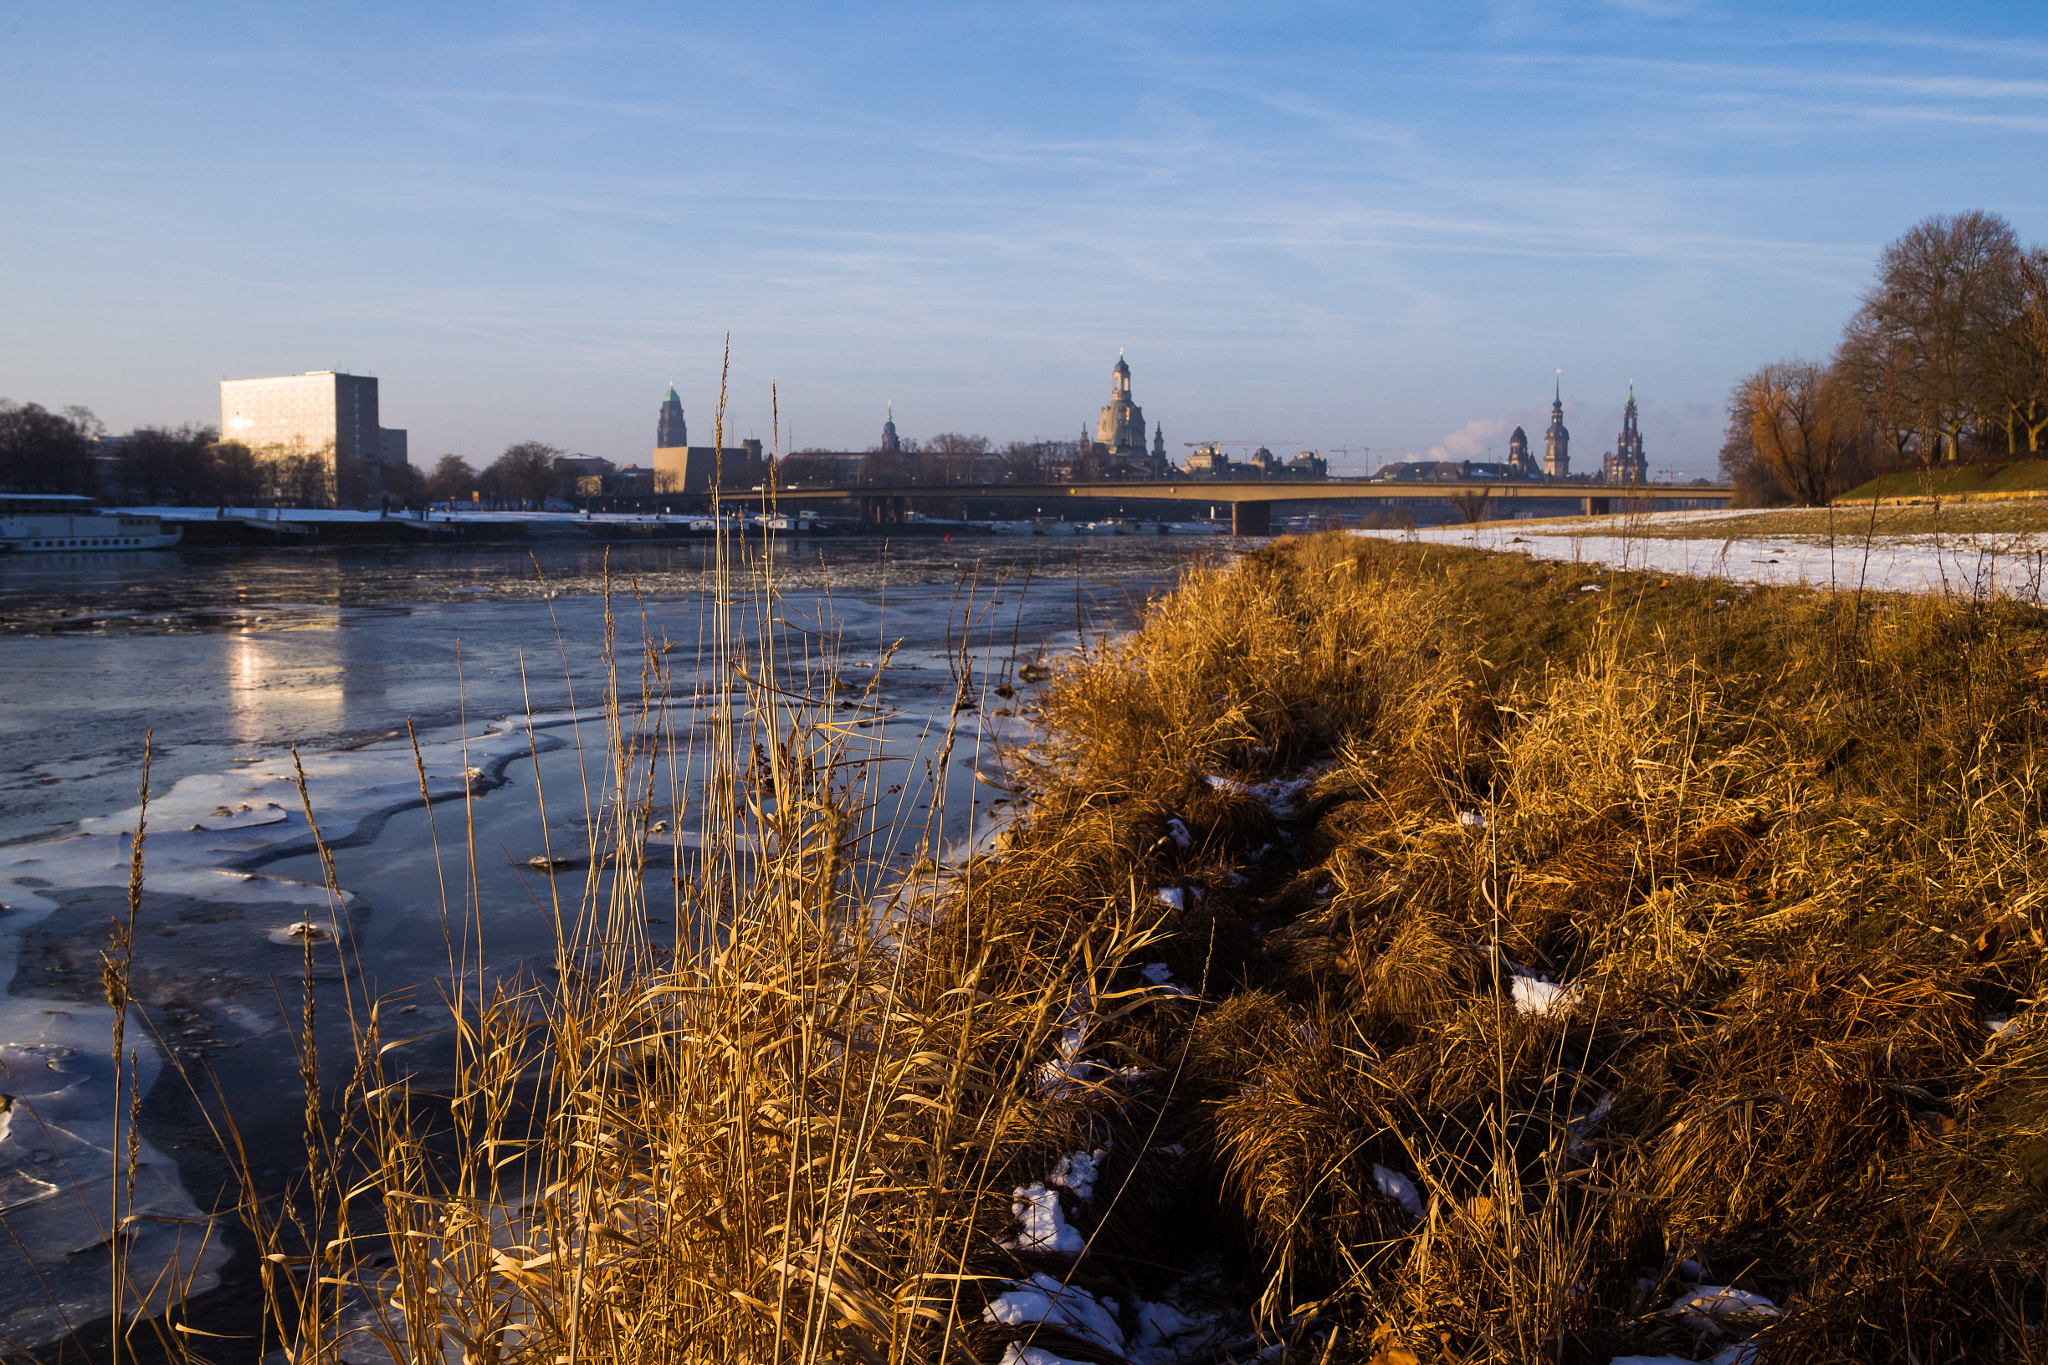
(64,523)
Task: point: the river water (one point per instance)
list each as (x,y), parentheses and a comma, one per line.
(233,659)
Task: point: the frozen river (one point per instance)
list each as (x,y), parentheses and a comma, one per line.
(232,660)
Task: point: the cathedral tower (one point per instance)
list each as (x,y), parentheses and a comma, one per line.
(1627,464)
(669,429)
(1520,462)
(1557,442)
(890,440)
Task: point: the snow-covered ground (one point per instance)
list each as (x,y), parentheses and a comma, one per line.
(1972,564)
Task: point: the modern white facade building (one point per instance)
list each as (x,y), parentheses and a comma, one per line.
(320,412)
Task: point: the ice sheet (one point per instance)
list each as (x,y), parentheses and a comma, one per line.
(57,1149)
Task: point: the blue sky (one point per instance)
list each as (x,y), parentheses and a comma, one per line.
(1312,225)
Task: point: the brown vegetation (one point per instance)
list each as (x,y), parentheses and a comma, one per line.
(1773,853)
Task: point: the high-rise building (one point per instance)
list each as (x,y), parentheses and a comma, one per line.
(1627,464)
(669,428)
(320,413)
(1557,442)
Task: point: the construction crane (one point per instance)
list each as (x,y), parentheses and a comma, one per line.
(1220,444)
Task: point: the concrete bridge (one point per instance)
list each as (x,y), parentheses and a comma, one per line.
(1251,501)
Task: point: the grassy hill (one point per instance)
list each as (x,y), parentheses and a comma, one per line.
(1977,480)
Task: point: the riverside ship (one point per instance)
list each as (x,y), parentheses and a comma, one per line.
(62,523)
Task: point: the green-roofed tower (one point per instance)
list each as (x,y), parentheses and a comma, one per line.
(670,430)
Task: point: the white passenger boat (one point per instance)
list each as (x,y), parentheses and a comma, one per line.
(61,523)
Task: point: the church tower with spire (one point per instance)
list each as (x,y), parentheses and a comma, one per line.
(890,440)
(669,429)
(1557,442)
(1627,464)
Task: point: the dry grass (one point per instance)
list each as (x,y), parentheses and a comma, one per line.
(1786,853)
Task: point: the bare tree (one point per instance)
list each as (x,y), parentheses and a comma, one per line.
(2020,359)
(43,451)
(1755,484)
(237,476)
(953,454)
(453,479)
(526,472)
(403,483)
(1471,506)
(1946,293)
(1805,427)
(173,463)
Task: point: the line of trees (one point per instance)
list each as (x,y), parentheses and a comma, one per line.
(42,451)
(950,458)
(529,473)
(1946,360)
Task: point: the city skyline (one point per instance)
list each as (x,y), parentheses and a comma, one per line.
(1316,226)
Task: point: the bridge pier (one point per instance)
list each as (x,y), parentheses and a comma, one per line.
(878,511)
(1251,518)
(1596,507)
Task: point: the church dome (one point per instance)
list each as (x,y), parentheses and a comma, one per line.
(1521,435)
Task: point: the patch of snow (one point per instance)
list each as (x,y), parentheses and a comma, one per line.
(1974,564)
(1158,973)
(1180,834)
(1581,1131)
(1745,1354)
(1076,1172)
(1018,1353)
(1178,897)
(1282,795)
(1535,996)
(1711,1308)
(1401,1190)
(1045,1223)
(1044,1300)
(1472,819)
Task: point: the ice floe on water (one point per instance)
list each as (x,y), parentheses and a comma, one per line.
(60,1137)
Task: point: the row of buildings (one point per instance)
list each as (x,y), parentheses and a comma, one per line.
(336,416)
(1624,464)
